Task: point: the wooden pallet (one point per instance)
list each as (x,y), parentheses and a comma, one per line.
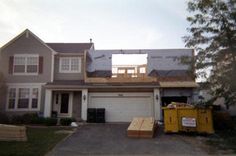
(141,127)
(12,133)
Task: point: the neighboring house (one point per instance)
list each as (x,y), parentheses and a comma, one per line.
(205,96)
(67,78)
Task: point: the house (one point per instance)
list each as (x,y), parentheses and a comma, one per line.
(68,78)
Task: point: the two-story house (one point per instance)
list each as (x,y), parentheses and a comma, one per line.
(69,78)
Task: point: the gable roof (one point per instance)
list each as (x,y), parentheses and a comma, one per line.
(26,31)
(70,47)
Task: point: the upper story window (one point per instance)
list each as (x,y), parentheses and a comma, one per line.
(26,64)
(70,65)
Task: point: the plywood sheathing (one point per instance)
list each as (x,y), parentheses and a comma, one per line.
(12,133)
(141,128)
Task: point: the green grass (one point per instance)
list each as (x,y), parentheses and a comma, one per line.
(40,141)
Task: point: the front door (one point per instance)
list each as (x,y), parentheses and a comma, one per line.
(64,103)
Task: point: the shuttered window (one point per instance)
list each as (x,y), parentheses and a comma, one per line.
(24,64)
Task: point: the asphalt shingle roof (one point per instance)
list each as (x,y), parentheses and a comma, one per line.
(70,47)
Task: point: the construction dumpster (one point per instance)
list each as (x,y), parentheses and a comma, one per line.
(188,119)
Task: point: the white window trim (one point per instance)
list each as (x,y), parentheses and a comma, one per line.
(25,55)
(70,71)
(17,87)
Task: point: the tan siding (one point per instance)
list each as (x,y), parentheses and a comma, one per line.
(27,45)
(76,112)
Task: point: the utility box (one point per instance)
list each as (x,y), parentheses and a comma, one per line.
(188,119)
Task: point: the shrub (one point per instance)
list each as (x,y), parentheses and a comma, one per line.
(50,121)
(4,119)
(66,121)
(222,120)
(38,120)
(16,119)
(28,118)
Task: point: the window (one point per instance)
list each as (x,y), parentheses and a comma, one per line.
(23,98)
(70,65)
(26,64)
(35,93)
(142,70)
(12,98)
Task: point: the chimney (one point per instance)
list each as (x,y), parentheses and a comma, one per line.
(91,41)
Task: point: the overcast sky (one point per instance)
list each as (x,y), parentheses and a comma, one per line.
(112,24)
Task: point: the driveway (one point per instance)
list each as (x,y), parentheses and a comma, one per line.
(111,139)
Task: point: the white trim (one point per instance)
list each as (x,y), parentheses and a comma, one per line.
(17,87)
(70,105)
(84,104)
(70,71)
(26,56)
(47,103)
(157,104)
(25,84)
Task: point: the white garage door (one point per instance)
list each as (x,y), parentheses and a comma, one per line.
(122,107)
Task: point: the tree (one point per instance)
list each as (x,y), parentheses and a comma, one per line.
(212,33)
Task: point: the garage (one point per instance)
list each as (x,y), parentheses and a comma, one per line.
(122,107)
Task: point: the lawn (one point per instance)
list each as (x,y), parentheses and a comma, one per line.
(40,141)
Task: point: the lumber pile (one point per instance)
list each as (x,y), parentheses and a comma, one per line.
(179,104)
(141,128)
(12,133)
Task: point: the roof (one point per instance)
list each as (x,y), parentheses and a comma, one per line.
(26,31)
(70,47)
(179,84)
(100,73)
(79,84)
(169,73)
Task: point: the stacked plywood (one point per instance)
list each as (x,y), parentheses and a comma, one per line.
(141,127)
(12,133)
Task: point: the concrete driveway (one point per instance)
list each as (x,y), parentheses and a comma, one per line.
(111,139)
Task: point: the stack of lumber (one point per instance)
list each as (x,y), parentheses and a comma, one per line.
(12,133)
(179,104)
(141,128)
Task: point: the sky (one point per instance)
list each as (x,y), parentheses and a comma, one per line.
(112,24)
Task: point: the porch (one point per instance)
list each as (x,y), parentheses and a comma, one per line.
(66,103)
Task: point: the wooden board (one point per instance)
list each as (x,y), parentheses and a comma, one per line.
(141,127)
(12,133)
(133,129)
(147,128)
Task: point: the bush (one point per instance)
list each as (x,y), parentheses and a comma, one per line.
(23,119)
(66,121)
(4,119)
(50,121)
(16,119)
(222,120)
(28,118)
(38,120)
